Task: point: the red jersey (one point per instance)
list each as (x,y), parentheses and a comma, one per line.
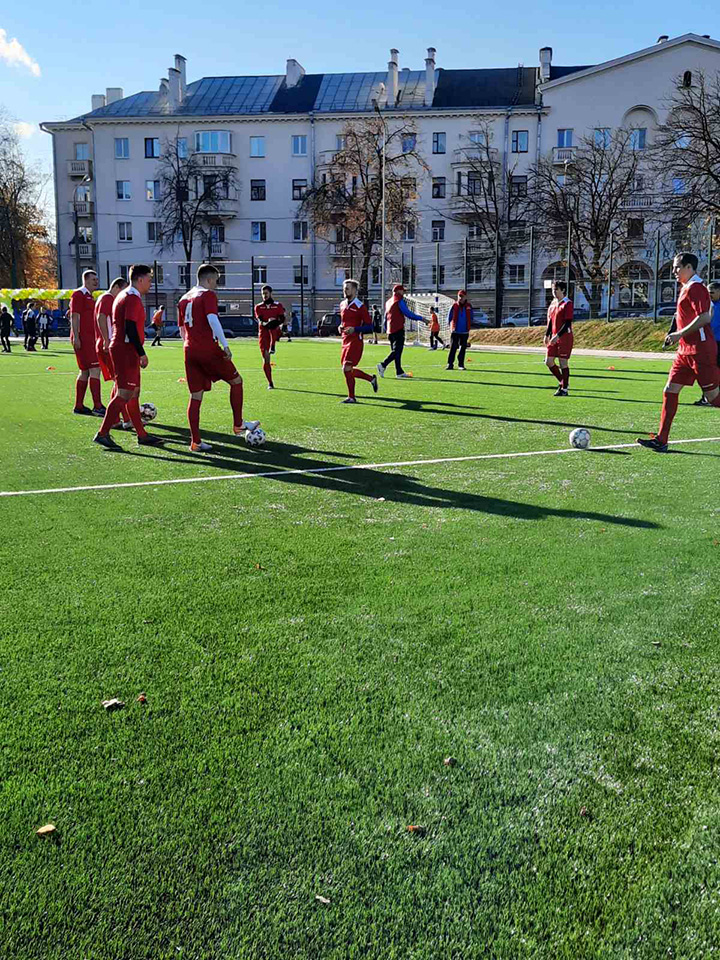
(82,302)
(127,308)
(269,311)
(694,299)
(559,313)
(353,313)
(193,311)
(104,304)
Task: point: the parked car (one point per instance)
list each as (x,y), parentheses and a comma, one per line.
(667,311)
(521,320)
(329,326)
(480,320)
(169,331)
(239,326)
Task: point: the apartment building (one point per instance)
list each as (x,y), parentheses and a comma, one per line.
(278,133)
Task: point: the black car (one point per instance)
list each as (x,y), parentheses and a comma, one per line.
(239,326)
(329,326)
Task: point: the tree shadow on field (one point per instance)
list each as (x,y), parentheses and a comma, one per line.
(548,385)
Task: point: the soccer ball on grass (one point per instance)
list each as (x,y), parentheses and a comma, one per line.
(148,412)
(580,438)
(255,438)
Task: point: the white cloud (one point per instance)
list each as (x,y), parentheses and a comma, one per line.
(25,130)
(15,54)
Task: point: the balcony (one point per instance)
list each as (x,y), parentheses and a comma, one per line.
(473,154)
(217,159)
(639,241)
(219,249)
(79,168)
(638,202)
(86,251)
(563,155)
(83,208)
(326,157)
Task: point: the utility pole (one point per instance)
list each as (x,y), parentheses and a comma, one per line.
(384,154)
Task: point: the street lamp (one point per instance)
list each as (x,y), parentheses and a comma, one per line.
(382,266)
(86,179)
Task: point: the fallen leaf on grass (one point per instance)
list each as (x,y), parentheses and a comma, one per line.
(148,621)
(181,380)
(449,761)
(142,698)
(113,704)
(611,368)
(584,812)
(47,830)
(259,567)
(321,899)
(417,829)
(716,543)
(49,368)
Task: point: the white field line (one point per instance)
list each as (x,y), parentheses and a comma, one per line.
(335,469)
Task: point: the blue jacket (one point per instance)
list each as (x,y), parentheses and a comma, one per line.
(715,324)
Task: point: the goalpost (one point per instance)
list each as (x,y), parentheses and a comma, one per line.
(420,303)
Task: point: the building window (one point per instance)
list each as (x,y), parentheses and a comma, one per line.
(213,141)
(603,136)
(687,79)
(215,188)
(258,231)
(221,271)
(518,186)
(300,230)
(438,143)
(257,146)
(260,274)
(520,140)
(340,276)
(122,148)
(125,269)
(82,151)
(438,230)
(298,275)
(257,190)
(125,231)
(409,188)
(299,146)
(122,190)
(408,276)
(678,185)
(154,231)
(636,229)
(299,189)
(152,189)
(182,147)
(217,233)
(82,194)
(340,141)
(152,147)
(518,230)
(408,143)
(475,273)
(561,180)
(516,272)
(183,276)
(474,232)
(409,230)
(441,280)
(375,275)
(85,234)
(438,188)
(477,138)
(474,184)
(638,138)
(159,274)
(564,138)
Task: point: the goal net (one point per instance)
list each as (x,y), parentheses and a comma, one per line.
(420,303)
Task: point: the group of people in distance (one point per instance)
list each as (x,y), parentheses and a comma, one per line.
(108,336)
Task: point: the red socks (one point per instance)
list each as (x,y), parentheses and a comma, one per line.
(555,372)
(193,413)
(268,372)
(80,391)
(361,375)
(236,402)
(669,409)
(350,378)
(95,391)
(133,409)
(112,415)
(565,374)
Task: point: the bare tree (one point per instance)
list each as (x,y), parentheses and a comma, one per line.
(598,192)
(344,204)
(191,195)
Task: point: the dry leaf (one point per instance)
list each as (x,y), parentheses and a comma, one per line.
(49,368)
(417,829)
(148,621)
(584,812)
(449,761)
(611,368)
(113,704)
(142,698)
(321,899)
(259,567)
(47,830)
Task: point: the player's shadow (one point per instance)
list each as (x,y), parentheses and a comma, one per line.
(575,375)
(235,443)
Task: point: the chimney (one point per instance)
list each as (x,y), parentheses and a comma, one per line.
(430,76)
(545,63)
(663,39)
(294,72)
(393,86)
(180,67)
(112,94)
(97,100)
(174,87)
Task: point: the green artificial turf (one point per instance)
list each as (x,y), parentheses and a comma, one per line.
(313,646)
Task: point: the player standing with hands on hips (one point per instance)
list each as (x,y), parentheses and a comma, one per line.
(697,356)
(559,336)
(355,320)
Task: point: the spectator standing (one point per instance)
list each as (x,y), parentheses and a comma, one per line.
(5,325)
(460,320)
(30,321)
(44,328)
(157,322)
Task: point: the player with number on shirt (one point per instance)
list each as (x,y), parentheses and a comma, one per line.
(270,317)
(103,334)
(207,355)
(355,320)
(559,337)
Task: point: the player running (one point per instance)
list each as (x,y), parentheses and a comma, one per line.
(207,355)
(82,338)
(697,355)
(270,317)
(558,338)
(103,335)
(396,312)
(355,320)
(128,357)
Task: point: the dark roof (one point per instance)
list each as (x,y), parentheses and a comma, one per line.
(557,72)
(333,93)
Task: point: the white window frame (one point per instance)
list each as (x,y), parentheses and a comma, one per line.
(340,276)
(409,231)
(124,231)
(124,153)
(518,269)
(602,137)
(300,227)
(84,148)
(515,141)
(261,231)
(257,148)
(155,196)
(567,138)
(155,141)
(437,142)
(212,144)
(298,144)
(126,183)
(438,230)
(156,226)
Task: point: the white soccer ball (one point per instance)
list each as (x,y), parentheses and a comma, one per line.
(148,412)
(580,438)
(255,438)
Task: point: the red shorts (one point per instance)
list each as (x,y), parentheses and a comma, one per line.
(562,349)
(203,369)
(352,352)
(107,367)
(265,339)
(688,368)
(86,356)
(126,363)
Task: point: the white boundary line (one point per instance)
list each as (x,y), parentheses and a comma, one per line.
(336,469)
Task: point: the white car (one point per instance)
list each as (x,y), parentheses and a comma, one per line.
(521,320)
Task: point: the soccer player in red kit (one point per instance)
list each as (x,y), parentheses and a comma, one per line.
(103,334)
(128,358)
(82,337)
(355,320)
(559,337)
(697,355)
(270,317)
(207,355)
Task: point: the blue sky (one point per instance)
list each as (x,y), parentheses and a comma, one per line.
(64,52)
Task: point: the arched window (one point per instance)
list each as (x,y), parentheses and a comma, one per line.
(687,78)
